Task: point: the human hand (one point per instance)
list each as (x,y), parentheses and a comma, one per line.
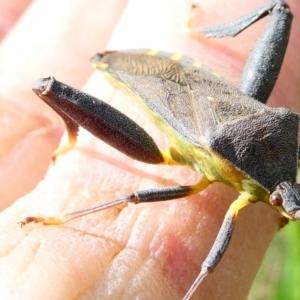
(151,251)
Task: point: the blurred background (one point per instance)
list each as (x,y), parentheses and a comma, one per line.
(279,274)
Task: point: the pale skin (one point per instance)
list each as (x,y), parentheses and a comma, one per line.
(150,251)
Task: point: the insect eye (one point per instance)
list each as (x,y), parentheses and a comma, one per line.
(275,199)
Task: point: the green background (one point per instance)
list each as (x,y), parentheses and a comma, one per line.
(279,275)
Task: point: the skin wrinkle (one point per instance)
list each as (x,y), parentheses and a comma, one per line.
(137,269)
(126,269)
(132,282)
(33,252)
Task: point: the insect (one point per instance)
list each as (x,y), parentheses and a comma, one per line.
(225,132)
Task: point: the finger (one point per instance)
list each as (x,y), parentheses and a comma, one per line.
(10,11)
(166,242)
(41,44)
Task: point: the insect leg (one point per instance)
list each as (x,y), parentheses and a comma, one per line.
(151,195)
(99,118)
(220,245)
(72,129)
(264,63)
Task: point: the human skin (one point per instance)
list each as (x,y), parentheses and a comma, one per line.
(146,251)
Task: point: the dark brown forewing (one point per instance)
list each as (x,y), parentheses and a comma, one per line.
(189,98)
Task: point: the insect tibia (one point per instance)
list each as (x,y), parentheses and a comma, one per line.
(204,272)
(235,27)
(67,217)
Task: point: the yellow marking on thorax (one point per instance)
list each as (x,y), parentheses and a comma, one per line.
(218,169)
(176,56)
(211,99)
(298,175)
(152,52)
(100,64)
(225,171)
(216,74)
(197,64)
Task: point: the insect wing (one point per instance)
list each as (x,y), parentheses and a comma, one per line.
(180,92)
